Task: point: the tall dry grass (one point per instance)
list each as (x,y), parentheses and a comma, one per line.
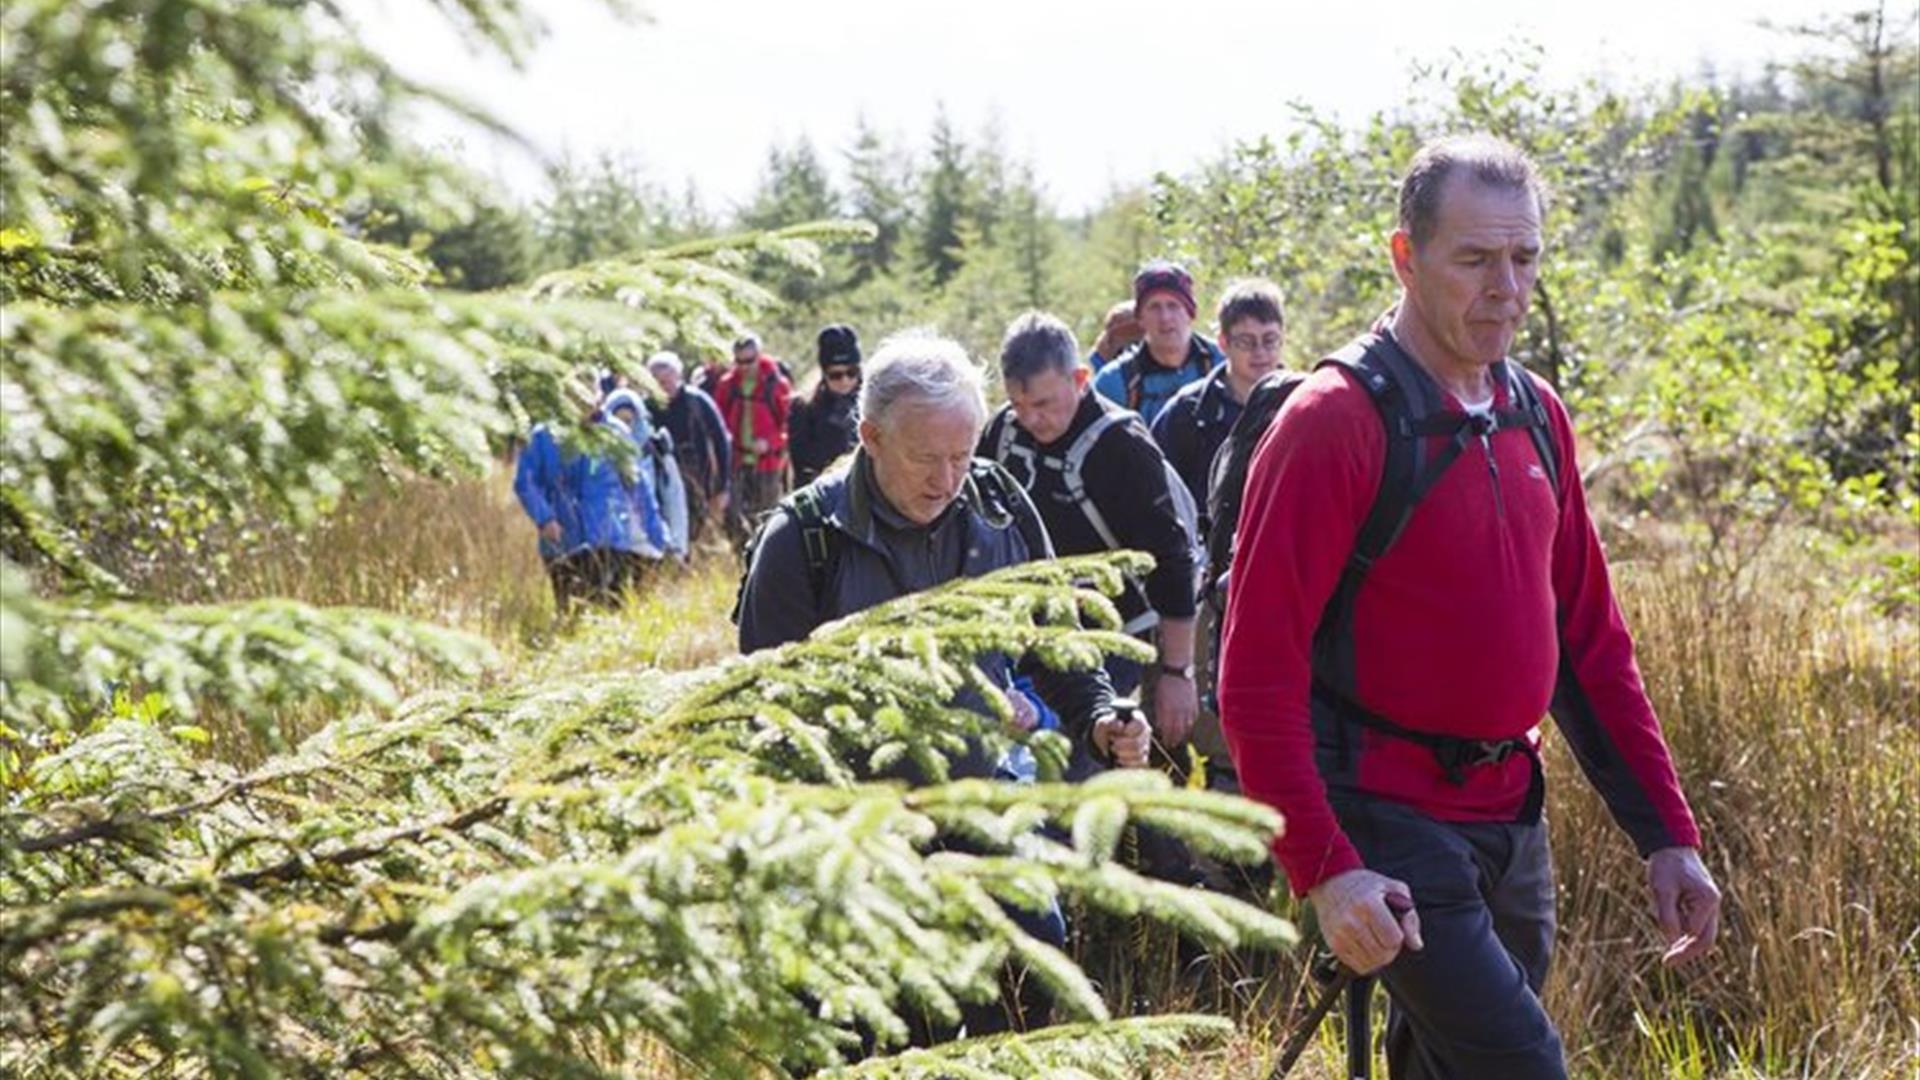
(1795,723)
(460,553)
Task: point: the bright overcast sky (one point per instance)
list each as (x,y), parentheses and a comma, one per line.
(1094,94)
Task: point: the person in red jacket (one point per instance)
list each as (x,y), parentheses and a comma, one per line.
(754,399)
(1389,708)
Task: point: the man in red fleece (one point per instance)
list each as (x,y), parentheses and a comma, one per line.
(754,398)
(1389,707)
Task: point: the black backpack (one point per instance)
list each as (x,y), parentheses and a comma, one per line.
(1409,404)
(997,503)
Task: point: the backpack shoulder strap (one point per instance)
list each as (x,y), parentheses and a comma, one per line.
(1003,502)
(817,543)
(1527,410)
(1072,472)
(816,535)
(1136,381)
(1409,406)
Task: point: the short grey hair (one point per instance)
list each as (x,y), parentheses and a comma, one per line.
(746,340)
(920,367)
(1490,161)
(1037,343)
(666,360)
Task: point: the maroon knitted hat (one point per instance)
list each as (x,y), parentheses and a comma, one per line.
(1163,276)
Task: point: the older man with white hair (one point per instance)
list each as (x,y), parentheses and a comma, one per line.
(911,510)
(700,441)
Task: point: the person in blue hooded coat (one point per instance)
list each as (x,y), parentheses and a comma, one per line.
(659,494)
(592,539)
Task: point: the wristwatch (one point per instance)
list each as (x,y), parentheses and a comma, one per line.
(1185,672)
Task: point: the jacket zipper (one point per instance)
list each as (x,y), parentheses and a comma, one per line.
(1493,469)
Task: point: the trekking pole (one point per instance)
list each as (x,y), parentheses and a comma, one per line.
(1340,980)
(1337,985)
(1360,1028)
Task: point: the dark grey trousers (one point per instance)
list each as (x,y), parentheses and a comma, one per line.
(1468,1004)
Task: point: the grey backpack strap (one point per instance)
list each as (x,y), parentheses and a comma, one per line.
(1007,449)
(1072,474)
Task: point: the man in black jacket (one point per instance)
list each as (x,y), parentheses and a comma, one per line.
(700,442)
(914,510)
(1101,484)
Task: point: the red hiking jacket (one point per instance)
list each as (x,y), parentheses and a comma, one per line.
(1494,603)
(769,402)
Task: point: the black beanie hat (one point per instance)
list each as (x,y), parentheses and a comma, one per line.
(839,345)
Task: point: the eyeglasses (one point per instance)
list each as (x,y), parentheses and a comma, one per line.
(843,375)
(1269,343)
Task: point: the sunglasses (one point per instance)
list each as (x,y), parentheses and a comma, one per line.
(842,374)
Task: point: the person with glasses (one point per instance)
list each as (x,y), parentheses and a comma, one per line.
(1190,431)
(754,398)
(1195,422)
(826,426)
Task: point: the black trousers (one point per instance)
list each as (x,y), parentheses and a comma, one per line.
(597,576)
(1468,1004)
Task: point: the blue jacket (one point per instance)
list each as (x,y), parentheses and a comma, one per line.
(1133,380)
(587,495)
(656,490)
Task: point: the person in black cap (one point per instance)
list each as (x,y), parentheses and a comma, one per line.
(826,426)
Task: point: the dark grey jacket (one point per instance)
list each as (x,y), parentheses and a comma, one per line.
(879,555)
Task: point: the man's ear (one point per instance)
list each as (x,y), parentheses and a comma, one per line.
(870,436)
(1401,246)
(1080,377)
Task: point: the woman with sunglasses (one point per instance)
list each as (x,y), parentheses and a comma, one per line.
(825,426)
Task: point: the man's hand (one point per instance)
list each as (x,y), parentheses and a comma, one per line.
(1360,927)
(1686,902)
(1124,739)
(550,532)
(757,445)
(1176,705)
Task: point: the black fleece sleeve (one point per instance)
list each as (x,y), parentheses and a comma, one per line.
(1126,478)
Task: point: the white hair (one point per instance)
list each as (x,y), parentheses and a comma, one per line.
(920,367)
(666,360)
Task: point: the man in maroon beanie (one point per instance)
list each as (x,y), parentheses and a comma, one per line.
(1169,355)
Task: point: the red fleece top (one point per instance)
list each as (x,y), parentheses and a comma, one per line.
(770,402)
(1494,602)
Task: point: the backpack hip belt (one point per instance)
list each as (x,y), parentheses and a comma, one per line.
(1455,754)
